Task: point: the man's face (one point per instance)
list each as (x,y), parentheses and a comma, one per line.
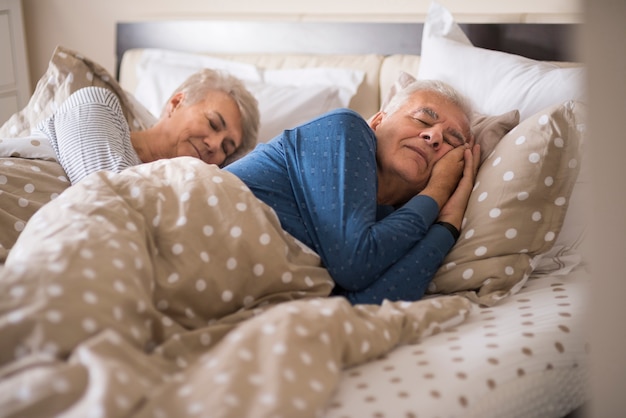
(411,140)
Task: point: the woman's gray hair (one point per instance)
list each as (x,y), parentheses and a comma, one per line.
(436,86)
(200,84)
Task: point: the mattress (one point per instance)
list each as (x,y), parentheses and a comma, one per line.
(526,357)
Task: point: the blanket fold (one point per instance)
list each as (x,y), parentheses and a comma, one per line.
(170,290)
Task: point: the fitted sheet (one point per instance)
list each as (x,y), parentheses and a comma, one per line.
(526,357)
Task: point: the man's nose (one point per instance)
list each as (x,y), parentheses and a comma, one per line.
(433,137)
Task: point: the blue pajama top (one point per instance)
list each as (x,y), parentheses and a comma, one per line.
(321,180)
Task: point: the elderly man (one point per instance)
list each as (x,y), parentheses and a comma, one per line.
(382,201)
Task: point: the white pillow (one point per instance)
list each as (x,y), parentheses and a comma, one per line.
(287,97)
(496,82)
(160,72)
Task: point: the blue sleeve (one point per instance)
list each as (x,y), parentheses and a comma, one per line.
(408,278)
(332,165)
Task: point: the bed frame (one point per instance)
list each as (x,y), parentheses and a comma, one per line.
(541,41)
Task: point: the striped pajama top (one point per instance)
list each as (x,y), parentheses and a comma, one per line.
(89,133)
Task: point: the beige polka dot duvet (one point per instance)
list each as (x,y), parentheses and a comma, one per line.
(25,186)
(170,291)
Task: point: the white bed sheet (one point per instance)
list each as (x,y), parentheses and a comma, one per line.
(526,357)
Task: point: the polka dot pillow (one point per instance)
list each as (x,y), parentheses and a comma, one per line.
(517,207)
(67,72)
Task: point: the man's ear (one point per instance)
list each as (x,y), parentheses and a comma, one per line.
(375,120)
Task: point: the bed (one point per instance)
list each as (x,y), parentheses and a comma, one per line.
(118,300)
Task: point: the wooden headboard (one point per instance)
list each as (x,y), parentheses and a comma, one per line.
(556,42)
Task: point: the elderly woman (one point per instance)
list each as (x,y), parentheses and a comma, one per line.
(381,202)
(211,116)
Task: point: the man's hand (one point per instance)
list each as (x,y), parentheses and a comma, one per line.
(454,208)
(446,175)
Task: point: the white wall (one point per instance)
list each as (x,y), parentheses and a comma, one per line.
(88,26)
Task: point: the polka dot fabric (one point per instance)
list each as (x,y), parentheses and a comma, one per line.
(25,186)
(67,72)
(526,357)
(29,173)
(170,290)
(517,207)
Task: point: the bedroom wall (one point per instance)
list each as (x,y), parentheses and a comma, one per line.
(89,25)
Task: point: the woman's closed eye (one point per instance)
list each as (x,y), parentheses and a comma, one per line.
(214,124)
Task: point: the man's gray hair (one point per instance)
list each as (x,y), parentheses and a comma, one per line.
(436,86)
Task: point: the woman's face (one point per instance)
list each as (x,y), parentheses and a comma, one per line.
(411,140)
(209,130)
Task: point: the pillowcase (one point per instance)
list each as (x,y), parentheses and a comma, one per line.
(517,207)
(488,130)
(567,250)
(497,82)
(159,72)
(287,97)
(67,72)
(286,106)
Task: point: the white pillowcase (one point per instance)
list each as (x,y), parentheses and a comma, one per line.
(496,82)
(287,97)
(160,72)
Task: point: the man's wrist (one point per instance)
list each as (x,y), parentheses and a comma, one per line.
(453,229)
